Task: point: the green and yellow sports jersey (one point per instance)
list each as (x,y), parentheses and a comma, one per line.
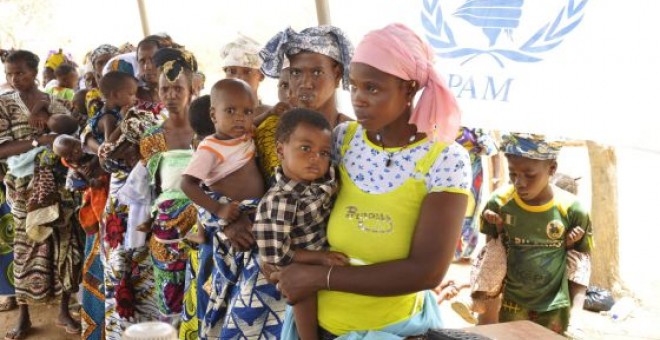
(536,248)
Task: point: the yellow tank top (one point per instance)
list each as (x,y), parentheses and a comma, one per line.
(373,228)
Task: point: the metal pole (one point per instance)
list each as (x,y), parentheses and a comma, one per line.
(143,18)
(323,12)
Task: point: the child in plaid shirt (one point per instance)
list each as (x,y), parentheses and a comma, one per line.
(291,218)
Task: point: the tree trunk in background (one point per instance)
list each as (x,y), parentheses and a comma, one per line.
(605,218)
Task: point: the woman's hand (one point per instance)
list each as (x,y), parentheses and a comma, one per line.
(46,139)
(297,282)
(239,233)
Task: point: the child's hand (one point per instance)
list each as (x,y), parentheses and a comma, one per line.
(229,212)
(493,218)
(279,109)
(39,115)
(574,236)
(333,258)
(446,290)
(239,233)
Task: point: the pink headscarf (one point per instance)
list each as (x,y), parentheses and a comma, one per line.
(397,50)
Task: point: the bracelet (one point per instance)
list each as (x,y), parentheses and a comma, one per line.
(327,278)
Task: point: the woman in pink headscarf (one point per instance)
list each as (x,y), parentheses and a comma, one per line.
(404,187)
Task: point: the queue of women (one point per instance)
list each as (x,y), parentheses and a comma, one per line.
(149,206)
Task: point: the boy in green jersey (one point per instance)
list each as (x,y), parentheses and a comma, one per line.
(538,222)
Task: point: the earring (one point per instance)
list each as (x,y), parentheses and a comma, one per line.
(413,84)
(408,104)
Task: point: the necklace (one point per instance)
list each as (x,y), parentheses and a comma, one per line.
(388,161)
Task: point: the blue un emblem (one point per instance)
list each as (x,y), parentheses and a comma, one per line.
(497,20)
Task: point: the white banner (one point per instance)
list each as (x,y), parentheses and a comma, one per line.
(584,69)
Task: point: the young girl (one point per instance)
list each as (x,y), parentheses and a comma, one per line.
(291,218)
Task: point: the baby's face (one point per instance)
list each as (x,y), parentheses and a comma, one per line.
(70,151)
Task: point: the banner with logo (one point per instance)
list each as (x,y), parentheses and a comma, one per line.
(583,69)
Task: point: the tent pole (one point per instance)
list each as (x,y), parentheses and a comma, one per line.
(323,12)
(143,17)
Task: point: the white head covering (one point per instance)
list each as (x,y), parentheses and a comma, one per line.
(243,52)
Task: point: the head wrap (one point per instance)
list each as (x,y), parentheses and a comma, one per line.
(57,58)
(327,40)
(397,50)
(101,50)
(126,63)
(172,62)
(243,52)
(529,145)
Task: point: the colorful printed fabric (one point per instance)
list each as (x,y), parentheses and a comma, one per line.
(93,205)
(130,290)
(126,63)
(6,246)
(92,314)
(175,216)
(327,40)
(530,146)
(42,271)
(264,138)
(242,52)
(102,50)
(172,61)
(189,328)
(364,161)
(94,122)
(478,143)
(173,221)
(242,304)
(93,101)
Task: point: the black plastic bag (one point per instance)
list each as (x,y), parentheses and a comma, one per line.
(598,300)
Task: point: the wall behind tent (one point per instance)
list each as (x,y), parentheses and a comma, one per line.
(595,72)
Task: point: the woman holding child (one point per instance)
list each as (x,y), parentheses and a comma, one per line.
(47,269)
(318,59)
(403,194)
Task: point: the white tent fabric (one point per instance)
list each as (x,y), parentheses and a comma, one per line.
(576,68)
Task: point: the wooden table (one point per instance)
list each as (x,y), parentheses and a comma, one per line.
(515,330)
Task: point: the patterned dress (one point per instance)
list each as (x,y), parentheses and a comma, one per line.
(42,270)
(130,290)
(6,246)
(174,218)
(478,143)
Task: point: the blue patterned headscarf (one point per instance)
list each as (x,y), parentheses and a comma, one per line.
(103,49)
(327,40)
(529,145)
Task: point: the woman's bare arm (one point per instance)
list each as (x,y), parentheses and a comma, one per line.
(432,249)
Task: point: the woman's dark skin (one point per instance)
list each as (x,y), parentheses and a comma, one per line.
(381,105)
(22,78)
(148,72)
(313,82)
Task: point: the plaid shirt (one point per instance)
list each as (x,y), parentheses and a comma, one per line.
(293,215)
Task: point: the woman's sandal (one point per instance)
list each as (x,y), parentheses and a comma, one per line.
(17,334)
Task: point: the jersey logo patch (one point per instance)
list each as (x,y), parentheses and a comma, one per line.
(555,229)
